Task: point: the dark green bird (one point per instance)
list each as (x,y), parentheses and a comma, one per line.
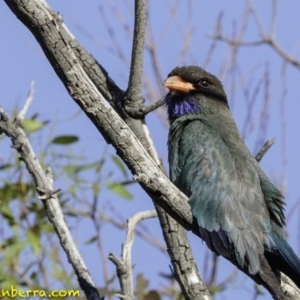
(238,209)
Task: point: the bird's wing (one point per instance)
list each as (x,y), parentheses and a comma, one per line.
(274,199)
(225,193)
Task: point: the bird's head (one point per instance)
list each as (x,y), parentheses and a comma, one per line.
(193,91)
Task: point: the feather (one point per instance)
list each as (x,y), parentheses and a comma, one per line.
(239,211)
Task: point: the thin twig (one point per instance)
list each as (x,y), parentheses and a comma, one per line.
(22,113)
(96,222)
(265,111)
(147,109)
(265,39)
(267,145)
(124,267)
(43,183)
(130,232)
(117,46)
(142,233)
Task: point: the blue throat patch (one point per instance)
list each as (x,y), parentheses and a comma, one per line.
(179,106)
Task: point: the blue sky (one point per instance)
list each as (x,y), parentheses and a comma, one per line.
(22,61)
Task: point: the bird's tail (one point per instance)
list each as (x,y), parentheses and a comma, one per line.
(285,259)
(269,279)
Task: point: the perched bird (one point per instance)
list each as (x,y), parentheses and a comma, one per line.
(239,211)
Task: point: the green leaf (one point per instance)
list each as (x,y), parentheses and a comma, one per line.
(47,227)
(119,189)
(31,125)
(141,286)
(34,275)
(34,240)
(215,289)
(12,254)
(152,295)
(5,167)
(7,214)
(65,139)
(91,240)
(16,190)
(8,242)
(74,169)
(60,274)
(118,162)
(96,188)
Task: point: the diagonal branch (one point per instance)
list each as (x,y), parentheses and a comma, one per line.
(264,149)
(47,29)
(29,99)
(178,245)
(43,183)
(55,40)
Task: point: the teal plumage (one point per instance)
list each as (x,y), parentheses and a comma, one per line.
(238,209)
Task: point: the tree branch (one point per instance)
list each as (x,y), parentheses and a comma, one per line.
(134,96)
(124,267)
(47,29)
(290,289)
(147,109)
(178,245)
(264,149)
(265,39)
(99,76)
(53,37)
(45,190)
(28,101)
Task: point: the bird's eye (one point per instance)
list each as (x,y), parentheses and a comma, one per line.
(205,83)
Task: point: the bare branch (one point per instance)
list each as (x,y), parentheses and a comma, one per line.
(147,109)
(124,267)
(45,190)
(265,39)
(290,289)
(105,85)
(134,96)
(184,267)
(22,113)
(274,17)
(117,47)
(142,233)
(145,170)
(181,255)
(256,19)
(267,145)
(48,29)
(264,114)
(132,222)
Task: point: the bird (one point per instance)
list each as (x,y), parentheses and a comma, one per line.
(238,210)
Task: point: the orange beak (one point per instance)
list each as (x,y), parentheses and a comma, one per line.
(175,83)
